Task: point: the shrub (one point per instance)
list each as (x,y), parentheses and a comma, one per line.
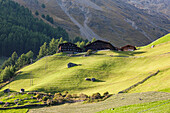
(83,96)
(74,96)
(58,100)
(48,102)
(96,96)
(68,96)
(106,93)
(89,52)
(65,93)
(38,96)
(57,95)
(107,96)
(45,98)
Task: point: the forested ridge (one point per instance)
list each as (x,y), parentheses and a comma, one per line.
(20,31)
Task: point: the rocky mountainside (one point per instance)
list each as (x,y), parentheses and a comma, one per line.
(152,6)
(111,20)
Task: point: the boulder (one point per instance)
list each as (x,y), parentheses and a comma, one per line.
(152,46)
(71,65)
(87,79)
(93,79)
(22,90)
(6,90)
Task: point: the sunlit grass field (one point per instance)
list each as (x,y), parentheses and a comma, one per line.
(113,70)
(151,107)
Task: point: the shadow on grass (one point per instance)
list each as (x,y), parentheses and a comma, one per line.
(24,76)
(129,53)
(97,80)
(123,53)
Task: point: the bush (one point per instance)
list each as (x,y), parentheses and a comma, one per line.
(96,96)
(57,95)
(7,73)
(106,93)
(107,96)
(83,96)
(48,102)
(74,96)
(38,96)
(89,52)
(45,98)
(58,100)
(68,96)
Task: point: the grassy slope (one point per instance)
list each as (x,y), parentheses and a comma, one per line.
(152,107)
(114,73)
(161,40)
(14,111)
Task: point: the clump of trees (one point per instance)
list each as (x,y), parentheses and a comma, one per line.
(14,63)
(20,31)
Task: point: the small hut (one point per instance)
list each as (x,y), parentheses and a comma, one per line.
(128,48)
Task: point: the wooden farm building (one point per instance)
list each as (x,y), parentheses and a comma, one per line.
(69,48)
(99,45)
(128,48)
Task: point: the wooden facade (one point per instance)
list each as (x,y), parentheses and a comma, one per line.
(99,45)
(128,48)
(69,48)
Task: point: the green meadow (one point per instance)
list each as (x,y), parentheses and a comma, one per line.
(113,70)
(151,107)
(161,40)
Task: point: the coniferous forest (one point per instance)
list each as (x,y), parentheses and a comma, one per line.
(20,31)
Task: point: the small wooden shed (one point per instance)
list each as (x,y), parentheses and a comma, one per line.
(128,48)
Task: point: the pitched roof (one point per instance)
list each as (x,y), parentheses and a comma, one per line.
(98,41)
(67,43)
(128,46)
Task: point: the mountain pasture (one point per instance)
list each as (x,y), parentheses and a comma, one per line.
(114,71)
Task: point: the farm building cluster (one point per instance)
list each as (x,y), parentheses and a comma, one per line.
(95,46)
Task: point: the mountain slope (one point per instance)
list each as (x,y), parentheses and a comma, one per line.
(152,6)
(50,74)
(111,20)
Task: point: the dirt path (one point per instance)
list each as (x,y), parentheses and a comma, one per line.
(115,101)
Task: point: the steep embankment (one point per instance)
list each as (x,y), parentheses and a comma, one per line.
(112,71)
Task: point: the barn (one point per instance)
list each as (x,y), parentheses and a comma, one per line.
(69,48)
(99,45)
(128,48)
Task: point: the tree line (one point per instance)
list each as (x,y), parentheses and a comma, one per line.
(21,32)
